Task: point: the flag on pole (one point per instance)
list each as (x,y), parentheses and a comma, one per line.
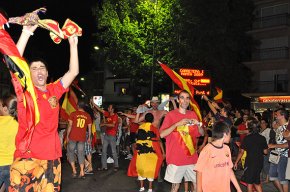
(219,97)
(182,84)
(75,84)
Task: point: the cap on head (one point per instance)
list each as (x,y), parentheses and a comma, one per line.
(155,99)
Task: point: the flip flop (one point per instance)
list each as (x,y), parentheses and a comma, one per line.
(81,177)
(74,175)
(89,172)
(102,169)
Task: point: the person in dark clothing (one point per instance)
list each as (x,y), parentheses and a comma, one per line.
(256,146)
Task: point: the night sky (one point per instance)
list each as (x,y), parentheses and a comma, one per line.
(40,45)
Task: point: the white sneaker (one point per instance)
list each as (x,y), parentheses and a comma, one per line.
(129,156)
(142,189)
(110,160)
(150,190)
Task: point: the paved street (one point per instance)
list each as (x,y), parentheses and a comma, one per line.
(110,181)
(105,181)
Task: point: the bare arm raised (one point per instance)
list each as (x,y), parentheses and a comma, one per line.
(27,31)
(73,70)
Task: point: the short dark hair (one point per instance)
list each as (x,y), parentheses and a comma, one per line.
(113,106)
(227,111)
(183,91)
(149,117)
(81,104)
(266,120)
(219,128)
(283,112)
(36,59)
(241,112)
(10,101)
(254,126)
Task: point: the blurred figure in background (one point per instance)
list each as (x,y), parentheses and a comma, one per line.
(8,131)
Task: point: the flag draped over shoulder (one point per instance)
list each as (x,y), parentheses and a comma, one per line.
(182,84)
(219,97)
(23,86)
(185,140)
(147,158)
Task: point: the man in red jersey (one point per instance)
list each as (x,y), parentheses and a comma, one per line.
(78,124)
(111,126)
(40,163)
(180,129)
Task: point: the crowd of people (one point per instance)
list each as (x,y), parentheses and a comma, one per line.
(199,153)
(150,137)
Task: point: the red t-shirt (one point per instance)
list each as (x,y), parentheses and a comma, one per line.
(133,126)
(174,153)
(242,127)
(80,121)
(111,119)
(45,143)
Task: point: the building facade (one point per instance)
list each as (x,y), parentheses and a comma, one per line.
(270,61)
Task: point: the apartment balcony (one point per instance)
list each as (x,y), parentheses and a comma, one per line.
(270,54)
(279,86)
(271,21)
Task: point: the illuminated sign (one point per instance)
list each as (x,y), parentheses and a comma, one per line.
(199,79)
(274,99)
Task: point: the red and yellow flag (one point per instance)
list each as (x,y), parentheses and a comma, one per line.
(219,97)
(28,114)
(182,84)
(94,133)
(147,158)
(186,140)
(69,104)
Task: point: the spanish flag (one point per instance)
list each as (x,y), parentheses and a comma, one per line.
(94,133)
(28,115)
(219,97)
(147,158)
(182,84)
(69,104)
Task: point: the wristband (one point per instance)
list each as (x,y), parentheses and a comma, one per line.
(27,32)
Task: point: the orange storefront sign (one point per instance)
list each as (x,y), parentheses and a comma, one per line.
(275,99)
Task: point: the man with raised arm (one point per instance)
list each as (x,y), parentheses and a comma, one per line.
(38,168)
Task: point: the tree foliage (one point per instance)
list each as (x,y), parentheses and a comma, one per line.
(203,34)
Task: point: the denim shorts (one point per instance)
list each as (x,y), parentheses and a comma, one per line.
(278,171)
(77,147)
(5,176)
